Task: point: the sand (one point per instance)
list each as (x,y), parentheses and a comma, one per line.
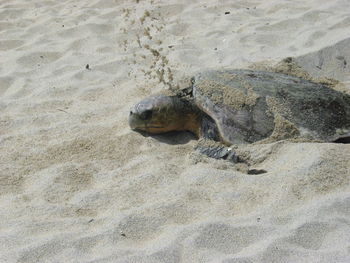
(77,185)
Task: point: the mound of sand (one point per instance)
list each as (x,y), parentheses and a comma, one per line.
(331,62)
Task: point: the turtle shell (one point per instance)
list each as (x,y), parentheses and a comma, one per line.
(249,106)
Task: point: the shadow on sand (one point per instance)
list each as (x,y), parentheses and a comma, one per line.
(172,138)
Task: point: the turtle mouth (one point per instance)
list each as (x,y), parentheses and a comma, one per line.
(139,125)
(143,123)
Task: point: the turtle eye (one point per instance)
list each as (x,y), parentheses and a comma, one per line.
(147,114)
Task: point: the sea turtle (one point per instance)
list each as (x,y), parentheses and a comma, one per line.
(247,106)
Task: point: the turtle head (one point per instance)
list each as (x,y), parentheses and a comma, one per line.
(159,114)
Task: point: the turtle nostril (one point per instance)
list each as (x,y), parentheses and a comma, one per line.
(131,112)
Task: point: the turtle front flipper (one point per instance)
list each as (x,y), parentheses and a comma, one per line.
(226,153)
(209,129)
(218,152)
(210,145)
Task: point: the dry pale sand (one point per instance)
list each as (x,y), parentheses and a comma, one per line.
(77,185)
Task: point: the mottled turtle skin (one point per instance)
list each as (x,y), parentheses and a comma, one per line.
(246,106)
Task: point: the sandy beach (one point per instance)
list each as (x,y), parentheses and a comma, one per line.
(78,185)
